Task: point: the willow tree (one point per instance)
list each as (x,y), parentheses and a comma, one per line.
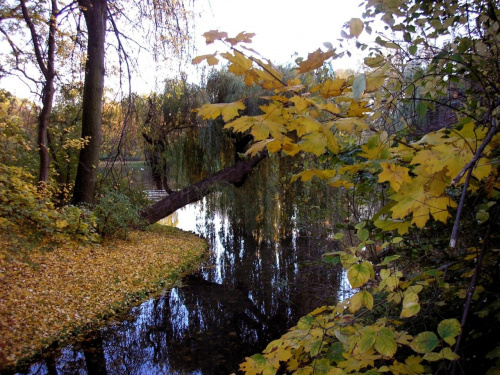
(164,27)
(63,30)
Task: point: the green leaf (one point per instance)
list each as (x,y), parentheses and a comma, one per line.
(363,234)
(413,49)
(335,352)
(367,339)
(448,329)
(421,109)
(397,240)
(389,259)
(424,342)
(385,343)
(359,86)
(359,274)
(338,236)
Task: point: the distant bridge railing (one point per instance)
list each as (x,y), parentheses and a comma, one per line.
(155,195)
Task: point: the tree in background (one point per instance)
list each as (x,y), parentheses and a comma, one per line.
(163,25)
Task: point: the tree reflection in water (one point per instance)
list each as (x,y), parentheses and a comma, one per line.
(249,293)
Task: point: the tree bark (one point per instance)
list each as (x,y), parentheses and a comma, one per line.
(95,15)
(49,72)
(235,175)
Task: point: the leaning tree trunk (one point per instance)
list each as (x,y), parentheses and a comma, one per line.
(235,175)
(95,15)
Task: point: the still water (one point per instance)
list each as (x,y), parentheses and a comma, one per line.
(249,292)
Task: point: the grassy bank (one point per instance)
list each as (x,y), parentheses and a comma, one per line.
(74,287)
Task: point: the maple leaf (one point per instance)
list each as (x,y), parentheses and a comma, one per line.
(240,64)
(329,88)
(213,35)
(323,174)
(300,102)
(227,110)
(304,125)
(242,37)
(314,143)
(395,174)
(314,60)
(211,59)
(351,125)
(357,109)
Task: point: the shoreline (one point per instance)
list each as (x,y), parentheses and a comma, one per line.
(77,288)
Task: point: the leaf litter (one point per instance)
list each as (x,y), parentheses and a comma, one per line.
(76,287)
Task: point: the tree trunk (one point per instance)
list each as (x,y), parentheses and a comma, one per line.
(235,175)
(95,15)
(43,127)
(49,72)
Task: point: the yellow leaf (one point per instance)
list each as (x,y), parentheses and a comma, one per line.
(240,64)
(304,125)
(301,103)
(213,35)
(241,38)
(330,107)
(314,143)
(359,274)
(395,174)
(227,110)
(329,88)
(363,298)
(211,59)
(356,27)
(374,82)
(314,60)
(241,124)
(410,305)
(320,173)
(357,109)
(351,125)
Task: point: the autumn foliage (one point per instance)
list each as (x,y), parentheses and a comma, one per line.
(417,280)
(74,287)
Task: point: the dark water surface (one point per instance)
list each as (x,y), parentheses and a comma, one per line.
(250,292)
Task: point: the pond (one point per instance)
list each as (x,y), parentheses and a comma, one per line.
(249,292)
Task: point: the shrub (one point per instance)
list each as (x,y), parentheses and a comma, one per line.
(116,213)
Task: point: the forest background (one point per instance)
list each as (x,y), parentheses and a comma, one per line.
(416,128)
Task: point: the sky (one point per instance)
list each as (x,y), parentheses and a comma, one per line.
(282,28)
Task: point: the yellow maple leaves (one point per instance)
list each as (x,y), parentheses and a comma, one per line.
(395,174)
(228,111)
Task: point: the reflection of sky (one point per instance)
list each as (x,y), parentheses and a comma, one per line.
(247,286)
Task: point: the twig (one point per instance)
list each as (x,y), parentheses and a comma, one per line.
(472,288)
(454,232)
(477,155)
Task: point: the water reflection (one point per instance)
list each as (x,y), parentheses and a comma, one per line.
(249,293)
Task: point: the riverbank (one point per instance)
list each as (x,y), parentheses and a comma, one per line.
(74,287)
